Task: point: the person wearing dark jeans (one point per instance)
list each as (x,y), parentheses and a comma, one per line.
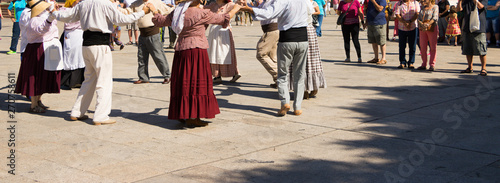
(407,14)
(16,31)
(349,31)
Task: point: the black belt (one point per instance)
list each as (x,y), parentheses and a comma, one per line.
(91,38)
(294,35)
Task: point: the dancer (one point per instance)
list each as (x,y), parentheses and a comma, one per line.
(150,43)
(221,50)
(314,70)
(74,65)
(268,45)
(40,71)
(97,18)
(292,47)
(191,90)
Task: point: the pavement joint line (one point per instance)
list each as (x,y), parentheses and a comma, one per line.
(465,174)
(223,159)
(123,94)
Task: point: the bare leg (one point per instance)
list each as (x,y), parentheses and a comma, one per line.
(375,50)
(483,62)
(469,61)
(383,50)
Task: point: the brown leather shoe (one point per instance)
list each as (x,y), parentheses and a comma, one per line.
(166,81)
(195,123)
(107,122)
(297,112)
(140,82)
(273,85)
(313,93)
(374,60)
(284,109)
(84,117)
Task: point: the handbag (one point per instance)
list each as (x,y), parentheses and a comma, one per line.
(474,24)
(342,16)
(315,22)
(431,27)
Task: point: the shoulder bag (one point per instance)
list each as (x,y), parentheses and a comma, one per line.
(342,16)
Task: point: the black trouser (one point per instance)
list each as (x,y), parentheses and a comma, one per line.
(349,31)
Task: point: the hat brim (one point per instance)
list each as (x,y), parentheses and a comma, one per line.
(39,8)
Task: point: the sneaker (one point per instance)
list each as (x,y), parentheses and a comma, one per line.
(10,52)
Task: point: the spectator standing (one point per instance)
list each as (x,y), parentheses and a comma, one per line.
(322,6)
(427,19)
(407,14)
(377,32)
(15,9)
(335,5)
(268,45)
(350,27)
(453,30)
(444,8)
(1,17)
(474,42)
(493,22)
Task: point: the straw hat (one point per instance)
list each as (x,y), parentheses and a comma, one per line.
(37,7)
(181,1)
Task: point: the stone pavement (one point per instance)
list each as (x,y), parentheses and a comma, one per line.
(372,124)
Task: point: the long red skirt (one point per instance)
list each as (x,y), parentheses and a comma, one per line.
(33,79)
(191,87)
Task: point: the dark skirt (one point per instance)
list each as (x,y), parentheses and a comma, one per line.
(191,87)
(33,79)
(72,78)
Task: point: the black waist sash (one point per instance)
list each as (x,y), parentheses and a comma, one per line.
(91,38)
(294,35)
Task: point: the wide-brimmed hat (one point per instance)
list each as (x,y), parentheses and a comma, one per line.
(37,7)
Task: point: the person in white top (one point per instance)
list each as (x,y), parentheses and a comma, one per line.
(292,47)
(267,46)
(97,18)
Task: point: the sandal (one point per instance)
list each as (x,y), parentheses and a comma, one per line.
(375,60)
(37,109)
(382,62)
(468,70)
(130,43)
(483,72)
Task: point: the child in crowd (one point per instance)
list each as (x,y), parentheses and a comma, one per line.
(453,29)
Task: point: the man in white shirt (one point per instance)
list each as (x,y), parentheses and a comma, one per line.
(268,44)
(97,18)
(292,47)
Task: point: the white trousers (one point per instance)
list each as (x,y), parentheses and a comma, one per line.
(98,79)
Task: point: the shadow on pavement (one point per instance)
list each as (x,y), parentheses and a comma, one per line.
(414,134)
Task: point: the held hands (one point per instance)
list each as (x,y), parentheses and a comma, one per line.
(146,8)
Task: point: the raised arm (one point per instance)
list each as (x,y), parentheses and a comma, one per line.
(120,19)
(68,15)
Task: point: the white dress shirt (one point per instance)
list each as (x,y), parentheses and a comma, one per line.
(97,16)
(290,13)
(265,4)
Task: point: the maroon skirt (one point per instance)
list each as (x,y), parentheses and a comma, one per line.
(33,79)
(191,87)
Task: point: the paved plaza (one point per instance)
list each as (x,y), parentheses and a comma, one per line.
(373,123)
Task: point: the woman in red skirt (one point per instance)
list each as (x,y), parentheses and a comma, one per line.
(191,88)
(35,76)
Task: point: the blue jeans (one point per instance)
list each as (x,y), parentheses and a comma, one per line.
(15,36)
(493,25)
(318,28)
(405,37)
